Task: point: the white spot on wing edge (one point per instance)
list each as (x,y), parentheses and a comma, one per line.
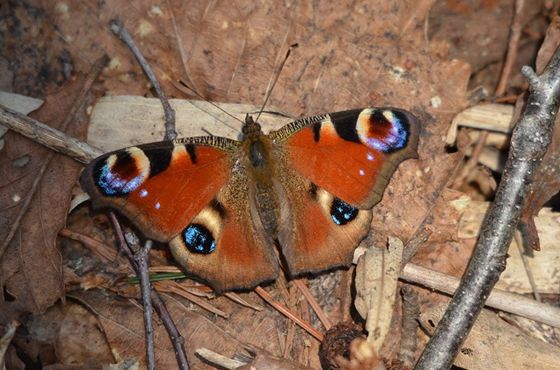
(179,151)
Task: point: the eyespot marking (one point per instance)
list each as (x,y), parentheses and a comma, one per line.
(342,212)
(123,172)
(383,130)
(198,239)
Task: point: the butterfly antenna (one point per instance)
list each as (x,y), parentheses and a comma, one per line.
(182,83)
(276,75)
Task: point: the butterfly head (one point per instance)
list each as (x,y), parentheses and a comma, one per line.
(250,129)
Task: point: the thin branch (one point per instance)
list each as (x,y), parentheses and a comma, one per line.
(142,257)
(313,303)
(529,142)
(158,304)
(410,316)
(513,303)
(118,29)
(289,314)
(512,48)
(48,136)
(530,277)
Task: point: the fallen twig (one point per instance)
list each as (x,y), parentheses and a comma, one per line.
(514,303)
(286,312)
(529,142)
(410,316)
(142,258)
(512,48)
(157,302)
(118,29)
(48,136)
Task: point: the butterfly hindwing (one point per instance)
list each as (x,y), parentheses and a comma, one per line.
(322,230)
(224,245)
(351,154)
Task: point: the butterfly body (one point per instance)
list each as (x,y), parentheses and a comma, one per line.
(222,205)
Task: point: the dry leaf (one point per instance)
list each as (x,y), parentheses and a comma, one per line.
(32,265)
(377,275)
(494,344)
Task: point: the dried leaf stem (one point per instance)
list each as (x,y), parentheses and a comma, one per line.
(529,142)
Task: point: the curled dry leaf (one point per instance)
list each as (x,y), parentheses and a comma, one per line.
(377,274)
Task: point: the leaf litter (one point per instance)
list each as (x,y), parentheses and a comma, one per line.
(351,54)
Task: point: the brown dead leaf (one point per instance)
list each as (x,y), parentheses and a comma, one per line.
(35,57)
(66,334)
(32,265)
(477,32)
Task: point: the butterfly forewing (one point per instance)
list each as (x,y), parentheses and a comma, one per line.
(351,154)
(161,186)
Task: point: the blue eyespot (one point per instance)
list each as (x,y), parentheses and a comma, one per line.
(342,212)
(111,184)
(198,239)
(395,138)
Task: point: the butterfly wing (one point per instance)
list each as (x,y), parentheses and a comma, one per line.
(339,165)
(186,193)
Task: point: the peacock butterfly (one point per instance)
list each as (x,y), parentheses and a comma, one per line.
(222,204)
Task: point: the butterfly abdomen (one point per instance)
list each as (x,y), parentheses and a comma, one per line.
(260,165)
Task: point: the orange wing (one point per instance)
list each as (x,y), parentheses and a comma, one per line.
(351,154)
(160,186)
